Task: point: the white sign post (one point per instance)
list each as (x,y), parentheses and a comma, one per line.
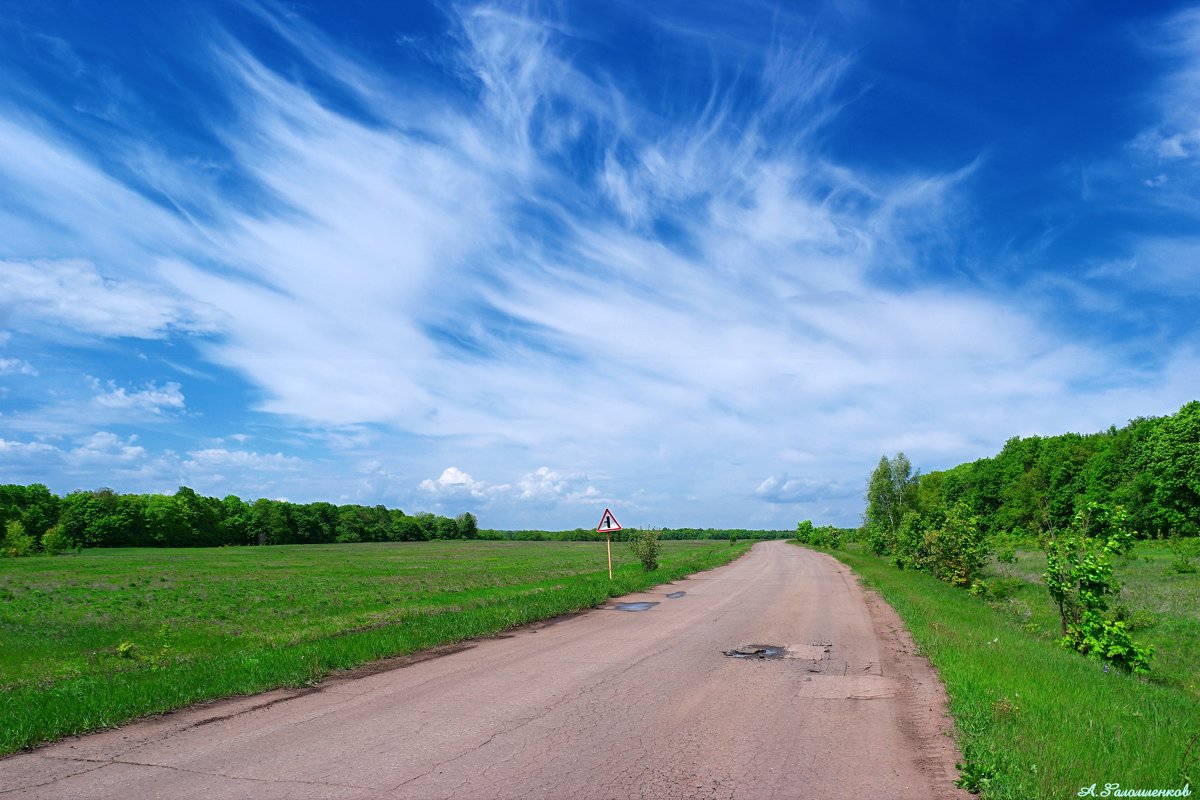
(608,524)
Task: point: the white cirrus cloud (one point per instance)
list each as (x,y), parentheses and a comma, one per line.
(533,261)
(1176,135)
(72,294)
(16,366)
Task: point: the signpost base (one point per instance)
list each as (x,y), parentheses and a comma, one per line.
(609,537)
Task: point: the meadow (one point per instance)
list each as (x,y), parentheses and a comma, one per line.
(1036,720)
(94,639)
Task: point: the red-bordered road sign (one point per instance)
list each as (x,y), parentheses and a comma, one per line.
(608,523)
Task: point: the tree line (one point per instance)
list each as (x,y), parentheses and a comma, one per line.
(673,534)
(104,518)
(34,519)
(1082,498)
(1037,485)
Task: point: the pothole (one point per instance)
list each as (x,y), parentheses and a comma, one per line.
(639,606)
(815,655)
(763,651)
(676,595)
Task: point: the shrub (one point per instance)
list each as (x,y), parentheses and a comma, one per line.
(646,547)
(996,589)
(880,539)
(1006,548)
(956,551)
(909,546)
(1186,551)
(1079,576)
(16,541)
(54,541)
(946,543)
(827,536)
(823,536)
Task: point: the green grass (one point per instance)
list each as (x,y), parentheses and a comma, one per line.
(93,640)
(1162,608)
(1044,721)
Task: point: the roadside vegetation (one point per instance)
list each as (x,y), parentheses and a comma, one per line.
(1036,720)
(97,638)
(1054,587)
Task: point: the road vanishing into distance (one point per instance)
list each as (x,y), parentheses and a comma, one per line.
(608,704)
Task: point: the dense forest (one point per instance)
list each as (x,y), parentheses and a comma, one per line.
(33,518)
(1036,485)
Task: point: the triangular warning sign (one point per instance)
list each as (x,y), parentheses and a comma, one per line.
(608,523)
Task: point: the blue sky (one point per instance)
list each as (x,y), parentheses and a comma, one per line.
(702,263)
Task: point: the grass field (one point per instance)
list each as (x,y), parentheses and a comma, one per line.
(95,639)
(1036,720)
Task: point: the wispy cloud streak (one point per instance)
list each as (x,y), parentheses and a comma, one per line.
(571,286)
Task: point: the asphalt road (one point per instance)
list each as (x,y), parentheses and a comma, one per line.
(606,704)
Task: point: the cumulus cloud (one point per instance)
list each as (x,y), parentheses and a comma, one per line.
(107,447)
(545,484)
(15,450)
(240,472)
(151,399)
(219,458)
(453,482)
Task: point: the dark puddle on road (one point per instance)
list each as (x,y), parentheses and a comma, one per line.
(763,651)
(676,595)
(642,606)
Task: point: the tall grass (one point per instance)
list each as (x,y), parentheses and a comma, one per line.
(1036,720)
(94,640)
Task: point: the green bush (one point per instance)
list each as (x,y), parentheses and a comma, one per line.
(1079,576)
(956,550)
(880,539)
(54,541)
(996,589)
(1186,551)
(16,541)
(823,536)
(946,543)
(1005,545)
(646,546)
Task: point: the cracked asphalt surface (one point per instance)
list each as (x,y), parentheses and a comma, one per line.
(607,704)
